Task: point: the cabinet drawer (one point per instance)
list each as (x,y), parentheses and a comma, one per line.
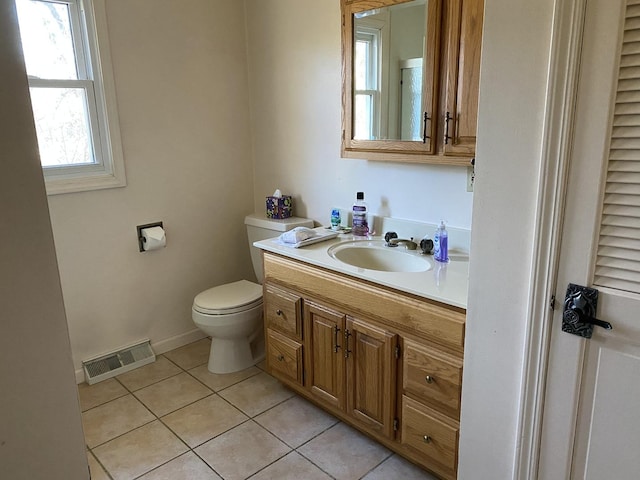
(284,357)
(434,376)
(429,433)
(282,311)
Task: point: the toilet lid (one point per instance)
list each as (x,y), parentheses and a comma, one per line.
(229,298)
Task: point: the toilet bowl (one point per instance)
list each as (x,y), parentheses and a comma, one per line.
(231,314)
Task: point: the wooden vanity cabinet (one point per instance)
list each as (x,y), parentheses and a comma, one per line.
(385,362)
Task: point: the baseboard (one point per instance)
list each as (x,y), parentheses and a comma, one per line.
(162,346)
(178,341)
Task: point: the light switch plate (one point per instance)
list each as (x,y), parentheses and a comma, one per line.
(471,176)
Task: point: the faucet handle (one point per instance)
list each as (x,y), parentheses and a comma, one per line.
(389,235)
(426,245)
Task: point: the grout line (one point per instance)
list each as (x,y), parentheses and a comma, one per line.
(104,403)
(378,464)
(267,466)
(122,434)
(152,383)
(161,465)
(99,463)
(206,463)
(227,386)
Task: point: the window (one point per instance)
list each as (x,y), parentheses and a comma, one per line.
(72,93)
(367,83)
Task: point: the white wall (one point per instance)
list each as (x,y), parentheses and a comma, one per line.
(513,78)
(295,78)
(181,84)
(40,427)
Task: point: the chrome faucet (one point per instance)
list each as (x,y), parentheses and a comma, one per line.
(410,244)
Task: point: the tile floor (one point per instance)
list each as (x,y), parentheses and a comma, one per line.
(174,420)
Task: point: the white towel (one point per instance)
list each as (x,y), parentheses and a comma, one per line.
(297,235)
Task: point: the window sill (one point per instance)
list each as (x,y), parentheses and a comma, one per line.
(57,185)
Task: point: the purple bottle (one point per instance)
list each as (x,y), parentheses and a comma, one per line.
(441,244)
(359,220)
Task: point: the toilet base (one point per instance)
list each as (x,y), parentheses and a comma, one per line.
(230,356)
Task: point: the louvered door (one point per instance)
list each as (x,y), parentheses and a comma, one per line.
(618,258)
(591,419)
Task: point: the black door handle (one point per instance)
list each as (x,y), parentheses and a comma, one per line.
(580,306)
(578,316)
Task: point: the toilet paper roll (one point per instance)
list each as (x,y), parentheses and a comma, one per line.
(153,238)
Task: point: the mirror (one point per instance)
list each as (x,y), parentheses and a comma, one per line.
(410,72)
(388,51)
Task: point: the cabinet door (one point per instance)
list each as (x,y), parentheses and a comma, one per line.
(371,375)
(325,358)
(460,114)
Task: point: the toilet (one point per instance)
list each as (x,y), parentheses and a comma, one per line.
(231,314)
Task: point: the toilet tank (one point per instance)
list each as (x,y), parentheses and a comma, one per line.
(259,227)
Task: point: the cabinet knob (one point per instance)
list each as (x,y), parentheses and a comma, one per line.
(279,312)
(281,357)
(426,439)
(428,379)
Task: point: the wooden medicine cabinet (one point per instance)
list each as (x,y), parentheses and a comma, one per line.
(410,73)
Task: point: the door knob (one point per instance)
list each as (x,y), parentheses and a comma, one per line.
(578,317)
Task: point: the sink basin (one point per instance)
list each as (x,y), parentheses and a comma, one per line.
(374,255)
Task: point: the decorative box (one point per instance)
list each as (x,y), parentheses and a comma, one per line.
(279,207)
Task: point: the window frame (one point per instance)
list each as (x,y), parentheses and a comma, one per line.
(375,32)
(95,77)
(372,37)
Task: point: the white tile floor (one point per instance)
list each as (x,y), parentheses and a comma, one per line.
(173,420)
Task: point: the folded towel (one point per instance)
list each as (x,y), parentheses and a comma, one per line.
(297,235)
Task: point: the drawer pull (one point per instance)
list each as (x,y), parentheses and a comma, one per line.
(426,439)
(429,379)
(281,357)
(279,312)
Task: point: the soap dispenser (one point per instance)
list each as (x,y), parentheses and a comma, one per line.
(441,244)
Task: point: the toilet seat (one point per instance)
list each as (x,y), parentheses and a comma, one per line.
(229,298)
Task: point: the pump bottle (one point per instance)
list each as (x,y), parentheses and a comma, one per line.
(441,244)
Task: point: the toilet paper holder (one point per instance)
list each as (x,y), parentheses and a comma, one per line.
(139,229)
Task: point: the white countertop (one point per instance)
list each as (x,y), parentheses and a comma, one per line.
(446,283)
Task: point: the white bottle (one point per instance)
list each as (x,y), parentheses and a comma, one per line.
(359,221)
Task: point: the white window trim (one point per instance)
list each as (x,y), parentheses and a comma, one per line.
(111,171)
(377,29)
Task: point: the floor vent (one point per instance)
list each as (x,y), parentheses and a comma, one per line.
(112,364)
